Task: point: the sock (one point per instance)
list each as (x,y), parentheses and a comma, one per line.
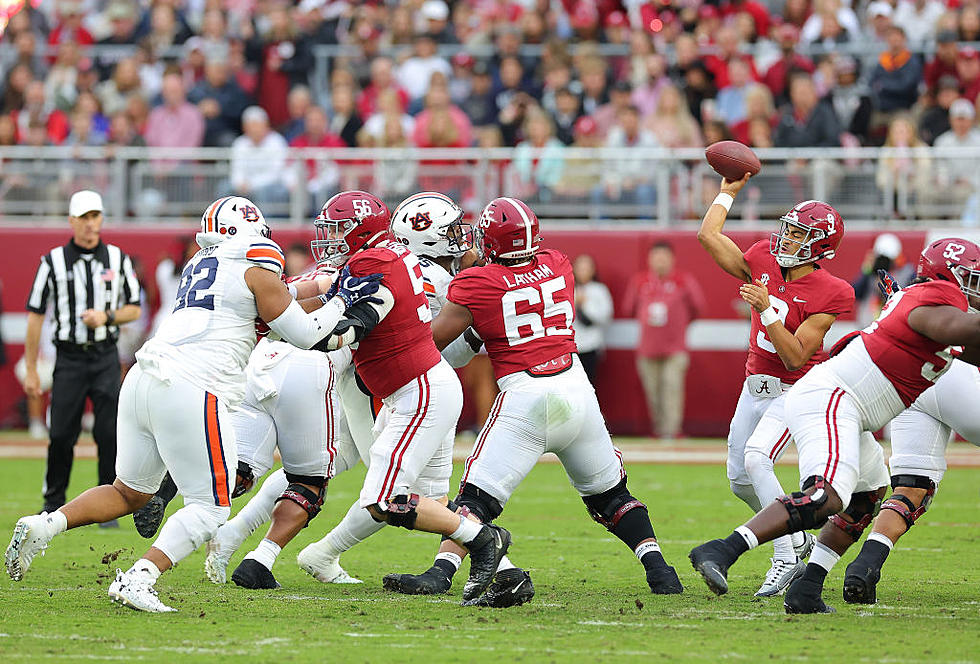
(648,553)
(815,573)
(467,531)
(146,568)
(448,562)
(824,557)
(168,489)
(782,549)
(505,564)
(874,552)
(58,522)
(751,541)
(878,537)
(266,553)
(356,526)
(798,538)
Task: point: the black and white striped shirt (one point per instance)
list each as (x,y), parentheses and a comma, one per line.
(73,279)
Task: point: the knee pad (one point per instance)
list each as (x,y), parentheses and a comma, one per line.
(402,511)
(480,503)
(803,507)
(860,512)
(312,480)
(244,480)
(903,505)
(302,496)
(610,506)
(189,528)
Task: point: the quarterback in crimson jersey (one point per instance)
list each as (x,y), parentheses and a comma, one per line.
(794,303)
(521,305)
(873,379)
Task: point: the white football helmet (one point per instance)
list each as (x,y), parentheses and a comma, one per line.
(431,224)
(231,216)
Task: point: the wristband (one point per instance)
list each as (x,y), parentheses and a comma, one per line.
(768,317)
(724,200)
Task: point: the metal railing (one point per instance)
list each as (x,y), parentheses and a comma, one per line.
(881,186)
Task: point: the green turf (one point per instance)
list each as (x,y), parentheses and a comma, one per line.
(592,603)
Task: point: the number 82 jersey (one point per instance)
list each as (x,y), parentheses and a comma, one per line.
(523,314)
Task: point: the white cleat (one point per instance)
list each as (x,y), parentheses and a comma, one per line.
(780,575)
(216,564)
(323,569)
(136,591)
(804,550)
(31,537)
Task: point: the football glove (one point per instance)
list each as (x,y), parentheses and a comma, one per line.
(887,284)
(353,289)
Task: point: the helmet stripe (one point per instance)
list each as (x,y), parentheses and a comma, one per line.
(213,216)
(527,222)
(217,210)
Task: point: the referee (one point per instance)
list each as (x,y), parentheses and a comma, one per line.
(92,289)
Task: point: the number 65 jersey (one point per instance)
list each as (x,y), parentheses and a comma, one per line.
(209,336)
(523,314)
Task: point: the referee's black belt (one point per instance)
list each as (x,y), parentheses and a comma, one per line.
(88,347)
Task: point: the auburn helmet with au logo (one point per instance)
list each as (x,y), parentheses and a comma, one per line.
(431,224)
(231,216)
(824,231)
(508,229)
(348,222)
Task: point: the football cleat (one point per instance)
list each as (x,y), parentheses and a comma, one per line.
(324,569)
(135,591)
(216,563)
(252,574)
(803,596)
(31,537)
(712,560)
(780,575)
(148,518)
(511,587)
(486,550)
(860,583)
(804,550)
(664,581)
(432,581)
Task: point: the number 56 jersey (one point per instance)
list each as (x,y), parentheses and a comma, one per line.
(523,314)
(209,336)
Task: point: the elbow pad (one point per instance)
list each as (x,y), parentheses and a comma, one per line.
(302,329)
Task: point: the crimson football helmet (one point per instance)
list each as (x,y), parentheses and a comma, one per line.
(348,222)
(507,229)
(952,259)
(824,230)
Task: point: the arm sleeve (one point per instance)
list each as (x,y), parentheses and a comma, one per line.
(460,351)
(266,254)
(358,321)
(37,301)
(303,329)
(130,284)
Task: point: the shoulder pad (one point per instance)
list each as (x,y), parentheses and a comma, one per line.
(266,254)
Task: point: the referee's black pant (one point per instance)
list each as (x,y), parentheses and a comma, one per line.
(78,374)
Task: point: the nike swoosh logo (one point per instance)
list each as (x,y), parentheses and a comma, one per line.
(517,587)
(796,299)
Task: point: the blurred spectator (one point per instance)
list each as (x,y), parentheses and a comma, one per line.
(121,16)
(557,76)
(807,122)
(82,132)
(567,112)
(511,81)
(789,62)
(37,110)
(511,118)
(731,98)
(969,24)
(968,72)
(592,74)
(944,62)
(297,259)
(416,72)
(125,81)
(461,81)
(285,60)
(221,102)
(538,160)
(606,116)
(886,254)
(89,103)
(629,178)
(441,124)
(344,120)
(123,133)
(935,119)
(389,106)
(382,79)
(759,133)
(481,105)
(69,27)
(672,123)
(581,175)
(895,80)
(698,86)
(435,13)
(166,28)
(593,311)
(727,43)
(395,179)
(298,101)
(15,88)
(956,175)
(714,131)
(918,19)
(61,83)
(850,98)
(914,170)
(175,123)
(880,14)
(758,106)
(167,276)
(653,81)
(830,23)
(258,160)
(758,12)
(664,301)
(214,34)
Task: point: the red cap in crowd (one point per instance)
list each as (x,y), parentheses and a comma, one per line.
(586,125)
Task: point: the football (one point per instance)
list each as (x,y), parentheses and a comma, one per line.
(732,159)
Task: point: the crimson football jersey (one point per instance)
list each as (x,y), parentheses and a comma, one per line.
(523,314)
(816,293)
(910,361)
(400,348)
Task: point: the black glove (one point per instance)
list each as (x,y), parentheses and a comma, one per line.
(353,289)
(887,284)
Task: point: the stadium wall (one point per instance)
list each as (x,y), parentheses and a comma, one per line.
(717,341)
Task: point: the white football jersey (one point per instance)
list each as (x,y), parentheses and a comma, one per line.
(435,283)
(209,336)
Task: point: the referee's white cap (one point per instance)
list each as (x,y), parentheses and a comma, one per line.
(84,201)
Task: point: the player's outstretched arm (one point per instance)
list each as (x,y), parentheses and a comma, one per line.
(721,247)
(451,322)
(285,316)
(947,325)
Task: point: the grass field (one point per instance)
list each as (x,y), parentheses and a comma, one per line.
(592,603)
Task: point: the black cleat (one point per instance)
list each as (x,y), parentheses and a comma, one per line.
(712,560)
(253,574)
(432,581)
(486,550)
(511,587)
(860,583)
(664,581)
(149,517)
(803,596)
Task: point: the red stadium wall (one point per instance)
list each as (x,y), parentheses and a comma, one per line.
(715,374)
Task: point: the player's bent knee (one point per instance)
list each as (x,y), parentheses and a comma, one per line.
(757,463)
(479,503)
(859,513)
(134,499)
(810,508)
(403,511)
(189,528)
(910,508)
(311,501)
(609,507)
